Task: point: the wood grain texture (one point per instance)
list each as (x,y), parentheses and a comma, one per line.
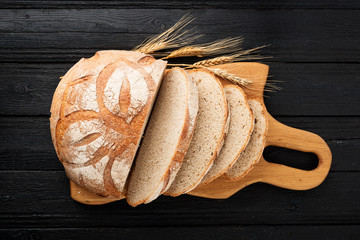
(65,35)
(257,4)
(36,151)
(316,53)
(27,89)
(279,232)
(38,199)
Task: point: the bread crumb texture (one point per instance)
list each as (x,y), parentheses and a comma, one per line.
(208,134)
(241,126)
(255,147)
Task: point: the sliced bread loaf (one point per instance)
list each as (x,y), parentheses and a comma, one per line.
(255,147)
(167,138)
(241,126)
(98,115)
(210,130)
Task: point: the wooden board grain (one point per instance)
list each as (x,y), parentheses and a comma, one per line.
(278,232)
(36,199)
(66,35)
(272,173)
(184,4)
(30,90)
(36,151)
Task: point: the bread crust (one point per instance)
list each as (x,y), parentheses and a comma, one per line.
(264,114)
(183,142)
(221,140)
(243,147)
(98,113)
(188,131)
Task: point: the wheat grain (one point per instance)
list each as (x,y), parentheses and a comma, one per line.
(218,72)
(205,49)
(236,57)
(214,61)
(230,76)
(185,52)
(150,48)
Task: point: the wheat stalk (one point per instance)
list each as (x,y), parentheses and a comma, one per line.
(270,86)
(181,65)
(174,37)
(236,57)
(186,51)
(230,77)
(218,72)
(205,49)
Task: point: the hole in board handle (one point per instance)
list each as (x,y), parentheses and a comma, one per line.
(291,158)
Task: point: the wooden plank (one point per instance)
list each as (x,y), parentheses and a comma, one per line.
(62,35)
(37,199)
(26,143)
(28,89)
(314,88)
(279,232)
(256,4)
(324,89)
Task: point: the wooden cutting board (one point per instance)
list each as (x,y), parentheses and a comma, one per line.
(278,135)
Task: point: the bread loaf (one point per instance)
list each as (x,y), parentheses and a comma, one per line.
(255,147)
(241,126)
(210,130)
(98,114)
(166,139)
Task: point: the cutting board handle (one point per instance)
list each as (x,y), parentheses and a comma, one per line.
(281,135)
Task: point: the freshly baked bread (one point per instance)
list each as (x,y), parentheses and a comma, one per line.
(241,126)
(210,130)
(166,139)
(98,115)
(255,147)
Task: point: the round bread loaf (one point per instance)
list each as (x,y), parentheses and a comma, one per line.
(98,115)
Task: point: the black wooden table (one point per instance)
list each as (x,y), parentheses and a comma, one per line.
(316,53)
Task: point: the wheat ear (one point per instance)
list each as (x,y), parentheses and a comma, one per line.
(218,72)
(205,49)
(230,77)
(174,37)
(236,57)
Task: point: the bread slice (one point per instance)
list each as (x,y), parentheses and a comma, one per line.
(255,147)
(210,130)
(241,126)
(167,138)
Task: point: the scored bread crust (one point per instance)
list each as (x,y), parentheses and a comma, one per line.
(258,157)
(183,142)
(97,120)
(220,143)
(220,171)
